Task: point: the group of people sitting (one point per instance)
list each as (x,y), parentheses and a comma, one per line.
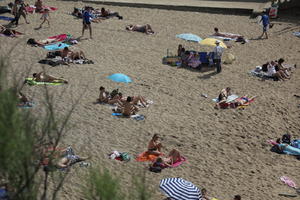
(155,148)
(222,100)
(97,15)
(126,106)
(277,69)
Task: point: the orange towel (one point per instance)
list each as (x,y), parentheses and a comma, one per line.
(145,156)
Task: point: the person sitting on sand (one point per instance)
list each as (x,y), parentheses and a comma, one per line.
(193,60)
(173,156)
(43,77)
(154,146)
(129,108)
(7,31)
(281,67)
(237,197)
(38,6)
(66,53)
(77,13)
(277,74)
(107,13)
(140,28)
(23,100)
(105,98)
(222,98)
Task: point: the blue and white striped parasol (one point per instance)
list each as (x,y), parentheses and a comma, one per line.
(180,189)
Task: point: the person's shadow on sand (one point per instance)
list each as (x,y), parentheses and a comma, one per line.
(208,76)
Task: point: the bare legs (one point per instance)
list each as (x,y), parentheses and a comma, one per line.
(89,27)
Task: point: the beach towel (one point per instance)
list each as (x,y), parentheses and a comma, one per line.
(297,34)
(288,181)
(259,73)
(289,150)
(31,82)
(6,18)
(229,98)
(61,37)
(57,46)
(32,8)
(177,163)
(137,117)
(15,35)
(296,144)
(146,157)
(26,105)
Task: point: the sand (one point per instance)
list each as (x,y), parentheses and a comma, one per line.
(226,150)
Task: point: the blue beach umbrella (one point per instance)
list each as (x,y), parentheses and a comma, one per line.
(120,78)
(189,37)
(180,189)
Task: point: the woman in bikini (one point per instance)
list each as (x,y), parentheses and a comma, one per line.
(154,146)
(140,28)
(222,98)
(43,77)
(173,156)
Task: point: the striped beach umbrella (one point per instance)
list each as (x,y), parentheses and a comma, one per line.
(180,189)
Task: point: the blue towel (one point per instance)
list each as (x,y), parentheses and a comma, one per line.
(287,149)
(6,18)
(56,46)
(135,117)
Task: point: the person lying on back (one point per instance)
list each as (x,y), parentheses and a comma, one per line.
(43,77)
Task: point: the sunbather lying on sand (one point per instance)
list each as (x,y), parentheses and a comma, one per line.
(140,28)
(154,146)
(7,31)
(41,43)
(107,14)
(226,35)
(243,100)
(104,97)
(73,55)
(43,77)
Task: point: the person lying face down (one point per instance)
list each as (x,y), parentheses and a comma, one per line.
(140,28)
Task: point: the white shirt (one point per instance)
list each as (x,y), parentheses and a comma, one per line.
(271,70)
(218,50)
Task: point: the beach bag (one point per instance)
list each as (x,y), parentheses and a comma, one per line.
(125,156)
(155,169)
(286,138)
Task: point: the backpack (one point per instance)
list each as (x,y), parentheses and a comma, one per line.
(125,156)
(114,93)
(286,138)
(155,169)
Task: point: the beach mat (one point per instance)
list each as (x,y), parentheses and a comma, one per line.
(31,8)
(135,117)
(6,18)
(30,81)
(26,105)
(229,98)
(146,157)
(56,46)
(60,37)
(178,162)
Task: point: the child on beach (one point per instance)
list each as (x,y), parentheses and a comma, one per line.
(45,17)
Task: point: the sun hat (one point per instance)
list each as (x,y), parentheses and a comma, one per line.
(217,42)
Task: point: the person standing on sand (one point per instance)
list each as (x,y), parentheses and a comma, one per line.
(87,21)
(266,23)
(45,17)
(218,51)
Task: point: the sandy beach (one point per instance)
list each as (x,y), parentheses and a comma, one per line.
(227,151)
